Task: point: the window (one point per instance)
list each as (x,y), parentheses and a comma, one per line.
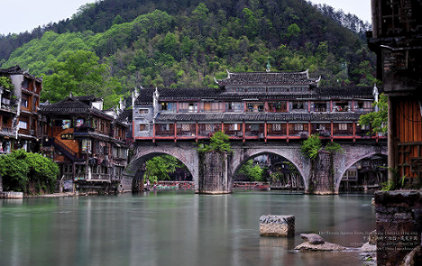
(364,127)
(23,125)
(297,105)
(79,122)
(193,108)
(168,106)
(34,104)
(185,127)
(165,127)
(367,105)
(234,127)
(143,127)
(143,111)
(234,107)
(342,126)
(277,127)
(65,124)
(255,107)
(298,127)
(24,102)
(86,145)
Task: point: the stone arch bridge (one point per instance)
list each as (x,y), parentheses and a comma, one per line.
(186,152)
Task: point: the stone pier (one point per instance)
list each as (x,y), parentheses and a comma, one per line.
(214,176)
(322,176)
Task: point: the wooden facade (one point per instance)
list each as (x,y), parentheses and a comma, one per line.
(396,39)
(254,106)
(89,145)
(20,124)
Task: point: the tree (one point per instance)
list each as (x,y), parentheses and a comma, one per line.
(6,83)
(218,142)
(81,73)
(159,167)
(377,119)
(253,172)
(28,172)
(311,147)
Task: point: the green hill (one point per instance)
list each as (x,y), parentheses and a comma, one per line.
(186,43)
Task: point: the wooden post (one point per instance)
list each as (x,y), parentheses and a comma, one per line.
(309,128)
(196,131)
(177,107)
(354,131)
(153,133)
(331,106)
(222,127)
(243,130)
(175,132)
(287,131)
(332,131)
(309,106)
(265,131)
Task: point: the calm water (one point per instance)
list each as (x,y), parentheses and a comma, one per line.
(170,228)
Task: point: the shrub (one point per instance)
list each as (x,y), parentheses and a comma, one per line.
(21,170)
(218,142)
(311,146)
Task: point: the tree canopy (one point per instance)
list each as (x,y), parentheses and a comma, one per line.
(377,120)
(28,172)
(186,43)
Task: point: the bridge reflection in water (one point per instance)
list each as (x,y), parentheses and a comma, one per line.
(177,229)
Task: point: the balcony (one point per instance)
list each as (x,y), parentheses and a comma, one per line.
(254,130)
(207,130)
(164,130)
(277,129)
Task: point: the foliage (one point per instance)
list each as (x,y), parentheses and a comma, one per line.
(251,170)
(377,119)
(333,147)
(218,142)
(6,83)
(81,73)
(185,43)
(159,167)
(22,170)
(311,146)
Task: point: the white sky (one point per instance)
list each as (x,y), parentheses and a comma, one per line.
(22,15)
(361,8)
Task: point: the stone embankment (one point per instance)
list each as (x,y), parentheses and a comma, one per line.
(11,195)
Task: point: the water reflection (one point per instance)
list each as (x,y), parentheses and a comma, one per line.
(176,229)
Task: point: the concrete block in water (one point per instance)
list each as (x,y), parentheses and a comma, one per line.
(277,225)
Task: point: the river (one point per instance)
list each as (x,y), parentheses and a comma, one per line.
(175,228)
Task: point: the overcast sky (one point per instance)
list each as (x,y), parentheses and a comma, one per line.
(21,15)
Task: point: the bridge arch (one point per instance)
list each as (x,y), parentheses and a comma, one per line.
(352,156)
(290,154)
(187,156)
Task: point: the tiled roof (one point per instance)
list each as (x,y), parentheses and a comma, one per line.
(126,115)
(266,78)
(71,105)
(270,117)
(145,95)
(16,70)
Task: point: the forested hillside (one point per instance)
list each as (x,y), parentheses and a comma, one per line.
(183,43)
